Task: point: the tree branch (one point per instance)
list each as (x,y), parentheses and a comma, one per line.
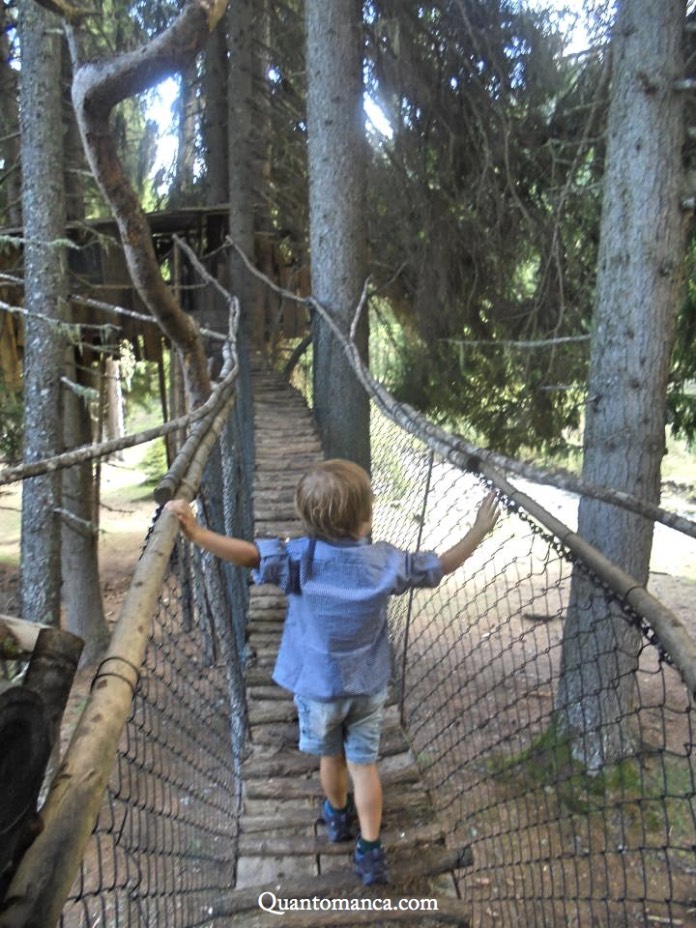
(97,88)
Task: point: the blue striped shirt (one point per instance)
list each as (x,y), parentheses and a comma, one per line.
(335,640)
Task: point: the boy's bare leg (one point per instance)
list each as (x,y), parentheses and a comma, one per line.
(333,775)
(368,798)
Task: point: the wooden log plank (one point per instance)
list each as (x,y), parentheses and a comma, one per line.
(284,786)
(267,641)
(22,635)
(270,740)
(273,628)
(265,693)
(272,608)
(298,764)
(296,845)
(449,912)
(272,711)
(275,733)
(332,885)
(265,598)
(251,871)
(256,675)
(272,612)
(273,617)
(284,529)
(403,808)
(265,660)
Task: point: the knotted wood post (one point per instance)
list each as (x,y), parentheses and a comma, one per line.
(30,717)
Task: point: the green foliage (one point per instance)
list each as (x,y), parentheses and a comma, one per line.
(154,464)
(12,406)
(140,382)
(510,397)
(485,205)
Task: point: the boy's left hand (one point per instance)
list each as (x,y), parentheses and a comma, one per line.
(488,513)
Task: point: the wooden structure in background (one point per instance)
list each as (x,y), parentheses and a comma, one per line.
(98,272)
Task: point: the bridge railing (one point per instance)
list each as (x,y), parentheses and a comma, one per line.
(479,664)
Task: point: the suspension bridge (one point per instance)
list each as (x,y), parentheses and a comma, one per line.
(184,801)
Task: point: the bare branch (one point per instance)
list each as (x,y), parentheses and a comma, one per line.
(97,88)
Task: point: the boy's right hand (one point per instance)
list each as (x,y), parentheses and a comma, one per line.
(187,520)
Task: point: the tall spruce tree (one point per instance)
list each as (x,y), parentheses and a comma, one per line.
(43,202)
(338,241)
(639,287)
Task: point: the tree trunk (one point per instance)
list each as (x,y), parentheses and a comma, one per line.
(241,152)
(216,144)
(267,304)
(337,172)
(9,130)
(115,422)
(84,608)
(75,165)
(214,128)
(184,180)
(639,284)
(45,274)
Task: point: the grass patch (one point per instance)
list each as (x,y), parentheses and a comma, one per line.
(549,764)
(652,792)
(154,463)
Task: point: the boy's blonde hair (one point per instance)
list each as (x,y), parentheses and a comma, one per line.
(334,499)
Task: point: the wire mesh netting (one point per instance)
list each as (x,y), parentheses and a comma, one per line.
(164,845)
(164,839)
(555,840)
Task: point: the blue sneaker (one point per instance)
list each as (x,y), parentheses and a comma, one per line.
(371,865)
(340,826)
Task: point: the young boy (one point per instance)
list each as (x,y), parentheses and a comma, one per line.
(334,653)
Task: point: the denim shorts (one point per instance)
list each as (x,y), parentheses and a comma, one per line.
(350,726)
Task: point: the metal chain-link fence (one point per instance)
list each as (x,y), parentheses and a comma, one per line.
(165,836)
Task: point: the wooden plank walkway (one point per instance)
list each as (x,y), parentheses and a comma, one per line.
(282,847)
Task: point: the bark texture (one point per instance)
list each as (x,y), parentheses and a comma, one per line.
(45,273)
(639,284)
(338,238)
(84,607)
(241,152)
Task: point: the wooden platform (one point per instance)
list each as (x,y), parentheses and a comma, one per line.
(283,851)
